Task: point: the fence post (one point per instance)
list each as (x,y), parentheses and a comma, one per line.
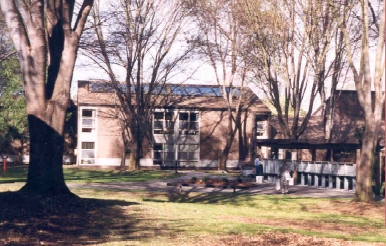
(346,183)
(309,179)
(330,182)
(303,178)
(316,180)
(323,181)
(338,180)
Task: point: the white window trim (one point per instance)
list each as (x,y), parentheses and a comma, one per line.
(177,134)
(264,131)
(91,136)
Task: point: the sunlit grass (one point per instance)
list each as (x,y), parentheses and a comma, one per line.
(183,218)
(13,174)
(195,215)
(88,175)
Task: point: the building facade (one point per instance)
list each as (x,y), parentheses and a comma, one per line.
(346,131)
(188,128)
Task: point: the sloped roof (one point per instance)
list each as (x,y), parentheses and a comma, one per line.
(198,97)
(248,102)
(348,119)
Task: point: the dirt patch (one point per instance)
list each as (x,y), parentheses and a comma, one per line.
(326,227)
(374,210)
(271,239)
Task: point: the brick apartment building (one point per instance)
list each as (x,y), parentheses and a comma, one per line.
(188,128)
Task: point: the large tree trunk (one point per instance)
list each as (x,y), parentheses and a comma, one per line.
(137,147)
(46,39)
(364,173)
(230,136)
(371,103)
(138,154)
(45,171)
(244,147)
(46,126)
(223,160)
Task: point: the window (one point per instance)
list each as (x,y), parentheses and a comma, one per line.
(193,91)
(189,152)
(163,123)
(87,113)
(207,91)
(178,90)
(234,91)
(88,120)
(167,149)
(188,123)
(261,126)
(88,153)
(164,154)
(169,152)
(157,153)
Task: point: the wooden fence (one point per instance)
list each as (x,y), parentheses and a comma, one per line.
(333,175)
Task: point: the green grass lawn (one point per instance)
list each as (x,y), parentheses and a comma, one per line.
(13,174)
(112,217)
(90,175)
(106,217)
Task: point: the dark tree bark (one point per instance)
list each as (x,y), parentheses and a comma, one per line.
(46,41)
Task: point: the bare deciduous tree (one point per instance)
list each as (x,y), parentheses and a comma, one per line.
(291,41)
(220,42)
(46,36)
(368,84)
(142,40)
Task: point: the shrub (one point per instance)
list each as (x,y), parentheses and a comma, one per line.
(193,179)
(225,180)
(205,179)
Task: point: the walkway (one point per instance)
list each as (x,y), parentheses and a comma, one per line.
(266,188)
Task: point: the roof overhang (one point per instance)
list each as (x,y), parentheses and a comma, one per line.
(308,144)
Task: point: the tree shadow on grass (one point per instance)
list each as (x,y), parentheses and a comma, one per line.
(236,199)
(209,198)
(27,220)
